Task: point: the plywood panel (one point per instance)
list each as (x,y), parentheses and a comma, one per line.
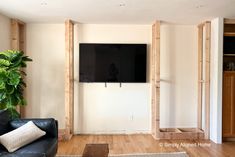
(228,104)
(69,78)
(227,101)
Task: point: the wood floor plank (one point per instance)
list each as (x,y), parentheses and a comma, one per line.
(144,143)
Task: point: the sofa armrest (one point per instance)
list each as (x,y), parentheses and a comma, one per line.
(49,125)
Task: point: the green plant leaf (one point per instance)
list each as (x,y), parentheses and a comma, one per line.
(4,62)
(26,58)
(2,84)
(14,113)
(23,102)
(11,80)
(10,90)
(14,78)
(17,62)
(23,64)
(5,54)
(2,96)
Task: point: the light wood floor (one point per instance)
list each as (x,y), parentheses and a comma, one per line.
(141,143)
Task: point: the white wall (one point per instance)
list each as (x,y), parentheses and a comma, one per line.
(112,109)
(216,80)
(5,33)
(127,109)
(45,79)
(178,97)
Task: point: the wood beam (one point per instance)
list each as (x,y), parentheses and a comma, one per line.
(18,42)
(14,34)
(69,78)
(200,75)
(207,80)
(204,70)
(18,36)
(155,79)
(229,21)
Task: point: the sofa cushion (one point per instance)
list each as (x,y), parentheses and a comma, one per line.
(21,136)
(4,121)
(45,146)
(48,125)
(6,154)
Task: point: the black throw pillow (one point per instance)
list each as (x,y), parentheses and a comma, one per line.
(4,121)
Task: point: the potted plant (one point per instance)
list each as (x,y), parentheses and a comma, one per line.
(12,80)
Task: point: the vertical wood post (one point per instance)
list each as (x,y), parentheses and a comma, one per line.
(14,34)
(69,78)
(155,79)
(18,35)
(18,41)
(204,70)
(207,80)
(200,75)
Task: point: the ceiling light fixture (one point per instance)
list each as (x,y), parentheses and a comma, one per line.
(199,6)
(44,3)
(122,5)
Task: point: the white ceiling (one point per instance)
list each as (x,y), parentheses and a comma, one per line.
(118,11)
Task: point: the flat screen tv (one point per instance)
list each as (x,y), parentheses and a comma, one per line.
(112,62)
(229,45)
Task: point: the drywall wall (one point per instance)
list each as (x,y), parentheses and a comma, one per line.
(216,80)
(112,109)
(5,33)
(45,79)
(128,109)
(178,97)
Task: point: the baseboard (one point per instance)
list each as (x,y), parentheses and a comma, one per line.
(228,139)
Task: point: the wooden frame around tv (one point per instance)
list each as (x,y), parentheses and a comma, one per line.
(181,133)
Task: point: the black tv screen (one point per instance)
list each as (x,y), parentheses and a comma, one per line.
(229,45)
(112,62)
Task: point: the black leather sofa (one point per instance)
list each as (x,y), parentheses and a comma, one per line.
(43,147)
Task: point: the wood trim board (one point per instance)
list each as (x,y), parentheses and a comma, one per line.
(69,78)
(181,133)
(14,34)
(207,79)
(200,78)
(229,21)
(155,79)
(204,71)
(18,42)
(18,35)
